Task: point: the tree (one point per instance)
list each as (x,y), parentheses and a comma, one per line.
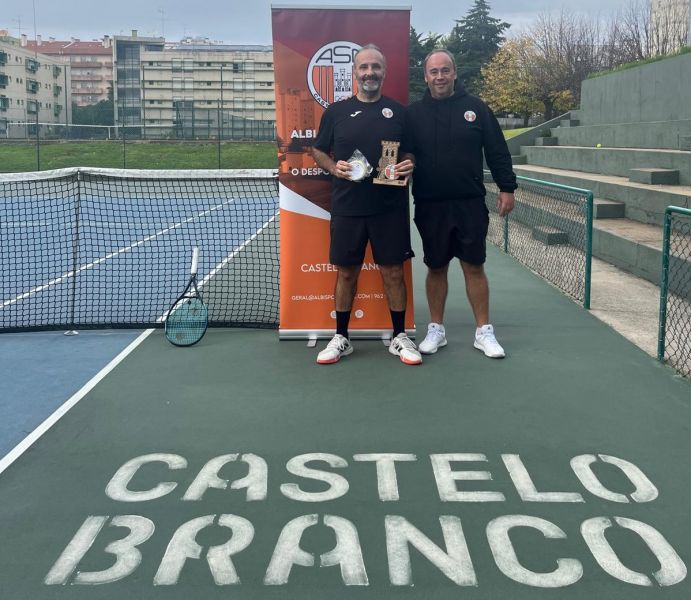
(474,41)
(93,114)
(419,48)
(508,84)
(567,49)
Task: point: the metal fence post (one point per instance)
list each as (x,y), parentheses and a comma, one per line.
(588,250)
(664,281)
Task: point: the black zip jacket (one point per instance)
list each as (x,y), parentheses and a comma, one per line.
(448,138)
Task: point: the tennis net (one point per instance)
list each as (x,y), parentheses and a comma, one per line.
(108,248)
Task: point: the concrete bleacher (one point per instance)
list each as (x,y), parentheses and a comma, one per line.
(630,143)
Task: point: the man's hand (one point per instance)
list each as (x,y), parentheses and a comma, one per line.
(342,169)
(404,168)
(505,203)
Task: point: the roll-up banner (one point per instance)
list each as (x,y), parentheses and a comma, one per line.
(313,51)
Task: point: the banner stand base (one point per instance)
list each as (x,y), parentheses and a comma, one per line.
(312,335)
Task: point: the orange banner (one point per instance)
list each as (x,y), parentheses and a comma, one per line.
(313,67)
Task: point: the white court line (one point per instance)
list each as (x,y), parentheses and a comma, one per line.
(29,440)
(98,261)
(233,254)
(34,436)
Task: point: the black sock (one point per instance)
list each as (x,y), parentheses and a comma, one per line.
(342,320)
(398,320)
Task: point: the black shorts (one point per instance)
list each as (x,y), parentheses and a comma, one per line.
(389,234)
(453,228)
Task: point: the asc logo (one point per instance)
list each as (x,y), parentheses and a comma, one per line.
(330,76)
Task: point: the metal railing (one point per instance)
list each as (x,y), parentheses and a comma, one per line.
(550,231)
(674,332)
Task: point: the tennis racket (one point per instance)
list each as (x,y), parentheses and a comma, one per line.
(188,318)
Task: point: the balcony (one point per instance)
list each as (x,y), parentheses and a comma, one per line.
(32,107)
(31,86)
(83,91)
(81,77)
(56,90)
(85,65)
(4,80)
(56,71)
(31,65)
(4,103)
(3,58)
(57,109)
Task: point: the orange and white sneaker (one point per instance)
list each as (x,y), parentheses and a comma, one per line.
(337,347)
(403,347)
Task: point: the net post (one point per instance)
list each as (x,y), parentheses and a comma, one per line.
(75,255)
(588,250)
(664,281)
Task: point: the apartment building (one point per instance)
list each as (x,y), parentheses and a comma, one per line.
(199,89)
(33,88)
(91,62)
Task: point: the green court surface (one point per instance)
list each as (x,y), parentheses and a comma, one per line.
(559,472)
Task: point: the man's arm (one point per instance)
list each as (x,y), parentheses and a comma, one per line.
(340,169)
(498,160)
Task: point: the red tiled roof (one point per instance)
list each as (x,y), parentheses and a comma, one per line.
(68,48)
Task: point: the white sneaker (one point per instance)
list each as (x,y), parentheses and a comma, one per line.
(435,339)
(337,347)
(403,347)
(485,341)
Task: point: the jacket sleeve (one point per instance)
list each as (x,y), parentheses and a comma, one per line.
(497,154)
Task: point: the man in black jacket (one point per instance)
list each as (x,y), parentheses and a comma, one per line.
(450,130)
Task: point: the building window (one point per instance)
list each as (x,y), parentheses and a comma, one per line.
(31,65)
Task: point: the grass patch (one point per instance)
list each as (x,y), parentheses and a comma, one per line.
(639,63)
(509,133)
(19,157)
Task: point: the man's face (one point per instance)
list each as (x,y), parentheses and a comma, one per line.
(370,71)
(440,75)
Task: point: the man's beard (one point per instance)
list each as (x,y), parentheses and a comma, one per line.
(367,85)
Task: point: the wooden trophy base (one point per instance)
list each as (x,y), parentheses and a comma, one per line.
(396,182)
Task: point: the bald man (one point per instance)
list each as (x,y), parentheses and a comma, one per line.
(362,211)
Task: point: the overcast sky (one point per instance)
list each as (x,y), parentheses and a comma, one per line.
(241,22)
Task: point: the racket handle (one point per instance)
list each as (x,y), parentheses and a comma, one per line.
(195,260)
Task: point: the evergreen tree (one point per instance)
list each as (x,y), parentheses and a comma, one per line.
(419,48)
(474,41)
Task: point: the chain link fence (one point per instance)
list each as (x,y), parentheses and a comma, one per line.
(201,139)
(549,231)
(674,339)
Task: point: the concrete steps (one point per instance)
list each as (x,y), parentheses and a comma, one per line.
(628,244)
(610,161)
(672,135)
(643,203)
